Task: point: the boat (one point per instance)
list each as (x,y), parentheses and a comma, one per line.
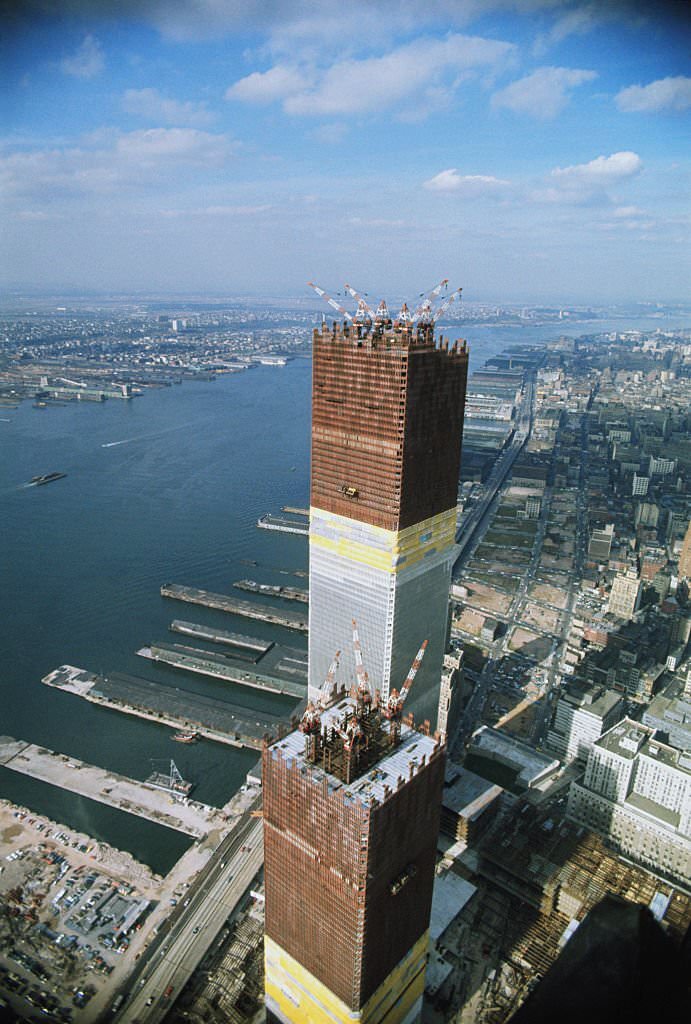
(47,478)
(186,737)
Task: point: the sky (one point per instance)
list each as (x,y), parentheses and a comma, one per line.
(529,150)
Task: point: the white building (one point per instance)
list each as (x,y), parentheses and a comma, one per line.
(636,792)
(582,714)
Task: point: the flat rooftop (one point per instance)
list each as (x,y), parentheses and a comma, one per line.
(382,779)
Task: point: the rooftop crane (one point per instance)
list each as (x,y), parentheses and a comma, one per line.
(394,705)
(445,305)
(327,685)
(310,722)
(426,303)
(363,684)
(332,302)
(364,311)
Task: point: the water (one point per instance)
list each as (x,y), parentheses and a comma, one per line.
(166,488)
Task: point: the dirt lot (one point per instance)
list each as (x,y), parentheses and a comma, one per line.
(540,616)
(482,596)
(470,621)
(555,562)
(527,642)
(548,594)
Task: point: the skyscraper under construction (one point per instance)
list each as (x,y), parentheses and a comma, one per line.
(387,420)
(351,817)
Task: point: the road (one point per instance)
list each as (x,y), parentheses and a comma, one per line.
(171,964)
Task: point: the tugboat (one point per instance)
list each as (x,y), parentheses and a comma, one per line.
(47,478)
(186,737)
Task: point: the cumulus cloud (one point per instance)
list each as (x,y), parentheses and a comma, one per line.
(544,93)
(86,62)
(451,181)
(600,172)
(152,106)
(262,87)
(665,94)
(374,83)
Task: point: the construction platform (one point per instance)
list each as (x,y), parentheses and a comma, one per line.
(142,799)
(225,603)
(169,705)
(283,670)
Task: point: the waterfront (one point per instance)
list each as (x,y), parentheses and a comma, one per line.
(168,486)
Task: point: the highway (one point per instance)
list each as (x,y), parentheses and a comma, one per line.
(475,523)
(194,927)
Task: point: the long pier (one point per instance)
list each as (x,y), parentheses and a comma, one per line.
(221,636)
(168,705)
(225,603)
(208,663)
(111,788)
(283,524)
(287,593)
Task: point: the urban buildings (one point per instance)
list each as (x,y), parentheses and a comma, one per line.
(582,714)
(685,556)
(625,596)
(387,420)
(636,792)
(351,816)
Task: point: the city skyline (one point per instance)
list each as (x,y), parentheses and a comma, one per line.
(538,148)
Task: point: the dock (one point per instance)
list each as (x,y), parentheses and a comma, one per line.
(221,636)
(168,705)
(106,787)
(276,678)
(284,524)
(234,605)
(287,593)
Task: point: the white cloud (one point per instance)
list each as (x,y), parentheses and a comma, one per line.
(86,62)
(578,21)
(277,83)
(664,94)
(628,211)
(451,181)
(600,172)
(151,105)
(118,162)
(374,84)
(330,134)
(544,93)
(246,210)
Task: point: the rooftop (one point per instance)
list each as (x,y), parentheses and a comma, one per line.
(395,765)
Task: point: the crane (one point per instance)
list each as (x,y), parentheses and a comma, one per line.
(310,723)
(445,305)
(332,302)
(426,304)
(364,311)
(363,684)
(394,705)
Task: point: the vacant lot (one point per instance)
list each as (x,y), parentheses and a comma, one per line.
(490,575)
(555,562)
(508,538)
(470,621)
(548,593)
(540,616)
(529,643)
(482,596)
(511,555)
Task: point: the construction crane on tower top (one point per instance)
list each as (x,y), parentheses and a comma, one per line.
(367,319)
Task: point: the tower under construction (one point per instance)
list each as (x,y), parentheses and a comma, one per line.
(387,419)
(351,816)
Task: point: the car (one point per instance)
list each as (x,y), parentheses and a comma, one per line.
(150,1000)
(195,929)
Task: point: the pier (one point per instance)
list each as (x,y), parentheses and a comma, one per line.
(283,524)
(207,663)
(168,705)
(221,636)
(130,795)
(234,605)
(287,593)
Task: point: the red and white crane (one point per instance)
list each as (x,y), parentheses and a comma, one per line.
(394,705)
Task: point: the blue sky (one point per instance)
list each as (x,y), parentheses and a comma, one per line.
(531,150)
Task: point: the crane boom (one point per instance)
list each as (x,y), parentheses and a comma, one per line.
(413,672)
(429,296)
(327,685)
(445,304)
(332,302)
(362,677)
